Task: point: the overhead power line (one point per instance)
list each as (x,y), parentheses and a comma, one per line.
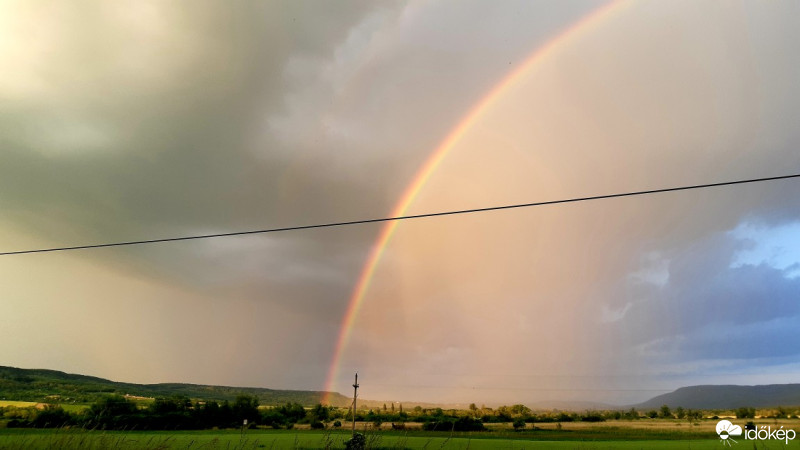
(414,216)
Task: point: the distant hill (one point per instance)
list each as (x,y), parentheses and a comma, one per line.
(727,397)
(39,385)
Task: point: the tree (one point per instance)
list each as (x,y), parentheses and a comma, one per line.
(519,424)
(320,413)
(245,407)
(114,405)
(564,417)
(520,411)
(226,417)
(208,414)
(665,412)
(111,412)
(693,415)
(592,416)
(504,414)
(52,416)
(680,413)
(173,404)
(293,412)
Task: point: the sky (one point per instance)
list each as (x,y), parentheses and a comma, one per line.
(138,120)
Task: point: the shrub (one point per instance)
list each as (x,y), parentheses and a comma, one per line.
(52,417)
(593,417)
(461,424)
(16,423)
(357,442)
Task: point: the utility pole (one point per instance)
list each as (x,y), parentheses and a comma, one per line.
(355,396)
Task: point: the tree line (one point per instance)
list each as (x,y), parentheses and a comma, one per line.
(178,412)
(173,413)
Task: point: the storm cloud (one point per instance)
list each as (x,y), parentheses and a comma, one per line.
(146,120)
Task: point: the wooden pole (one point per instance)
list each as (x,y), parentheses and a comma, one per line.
(355,396)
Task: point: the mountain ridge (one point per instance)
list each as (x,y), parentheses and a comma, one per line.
(45,385)
(42,385)
(727,396)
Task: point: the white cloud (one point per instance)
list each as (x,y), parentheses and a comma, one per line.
(777,246)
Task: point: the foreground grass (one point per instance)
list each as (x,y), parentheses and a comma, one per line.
(13,439)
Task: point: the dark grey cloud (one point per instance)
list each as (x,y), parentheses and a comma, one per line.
(176,152)
(106,152)
(141,125)
(198,138)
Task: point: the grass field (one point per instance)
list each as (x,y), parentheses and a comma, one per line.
(13,439)
(71,408)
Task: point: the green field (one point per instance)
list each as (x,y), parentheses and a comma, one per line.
(302,439)
(71,408)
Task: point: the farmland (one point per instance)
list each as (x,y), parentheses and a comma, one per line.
(613,436)
(177,421)
(622,434)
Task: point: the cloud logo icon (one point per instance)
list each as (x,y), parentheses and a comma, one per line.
(725,429)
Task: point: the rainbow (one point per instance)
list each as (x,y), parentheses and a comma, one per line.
(540,55)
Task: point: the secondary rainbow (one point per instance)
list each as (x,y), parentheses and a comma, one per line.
(541,54)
